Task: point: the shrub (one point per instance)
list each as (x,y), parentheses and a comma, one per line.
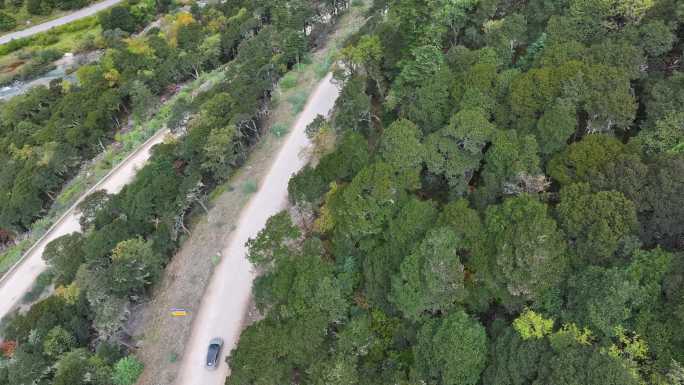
(127,371)
(279,129)
(7,22)
(249,187)
(297,101)
(288,81)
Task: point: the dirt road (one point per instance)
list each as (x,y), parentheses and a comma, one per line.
(81,13)
(20,278)
(227,296)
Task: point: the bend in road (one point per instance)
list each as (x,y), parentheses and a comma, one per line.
(81,13)
(227,296)
(20,278)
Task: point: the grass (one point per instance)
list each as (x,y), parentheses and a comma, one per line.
(298,100)
(288,81)
(280,129)
(250,187)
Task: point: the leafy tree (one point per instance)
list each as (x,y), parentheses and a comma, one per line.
(367,203)
(90,206)
(596,223)
(431,280)
(509,156)
(65,255)
(273,242)
(118,17)
(456,151)
(220,152)
(135,265)
(58,341)
(554,128)
(403,233)
(527,251)
(532,325)
(402,149)
(127,370)
(7,22)
(451,350)
(352,107)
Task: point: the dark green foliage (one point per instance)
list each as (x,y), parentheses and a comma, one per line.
(65,255)
(508,158)
(118,17)
(7,22)
(452,350)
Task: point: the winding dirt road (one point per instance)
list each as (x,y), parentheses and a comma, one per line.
(20,278)
(228,293)
(81,13)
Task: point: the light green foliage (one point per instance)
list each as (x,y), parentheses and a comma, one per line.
(452,350)
(596,223)
(402,149)
(584,160)
(509,156)
(666,135)
(456,150)
(526,247)
(220,151)
(532,325)
(555,126)
(368,202)
(431,279)
(58,341)
(135,265)
(273,242)
(127,370)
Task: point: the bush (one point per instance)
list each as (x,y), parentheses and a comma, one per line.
(249,187)
(288,81)
(297,101)
(7,22)
(279,129)
(127,371)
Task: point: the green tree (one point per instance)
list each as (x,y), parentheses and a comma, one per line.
(135,265)
(510,156)
(556,126)
(58,341)
(451,350)
(596,223)
(456,151)
(273,242)
(220,152)
(7,22)
(127,370)
(402,149)
(431,279)
(65,255)
(526,247)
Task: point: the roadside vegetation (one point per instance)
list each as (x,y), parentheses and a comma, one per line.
(20,14)
(502,205)
(77,335)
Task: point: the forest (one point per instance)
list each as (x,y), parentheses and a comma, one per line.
(498,198)
(77,336)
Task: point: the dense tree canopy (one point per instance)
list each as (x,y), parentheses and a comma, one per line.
(503,204)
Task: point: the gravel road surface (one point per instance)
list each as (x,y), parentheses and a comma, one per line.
(20,278)
(227,296)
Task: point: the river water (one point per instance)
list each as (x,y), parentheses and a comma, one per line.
(65,69)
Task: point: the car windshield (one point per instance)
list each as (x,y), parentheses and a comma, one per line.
(212,354)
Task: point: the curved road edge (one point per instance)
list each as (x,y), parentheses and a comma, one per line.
(46,26)
(20,277)
(226,298)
